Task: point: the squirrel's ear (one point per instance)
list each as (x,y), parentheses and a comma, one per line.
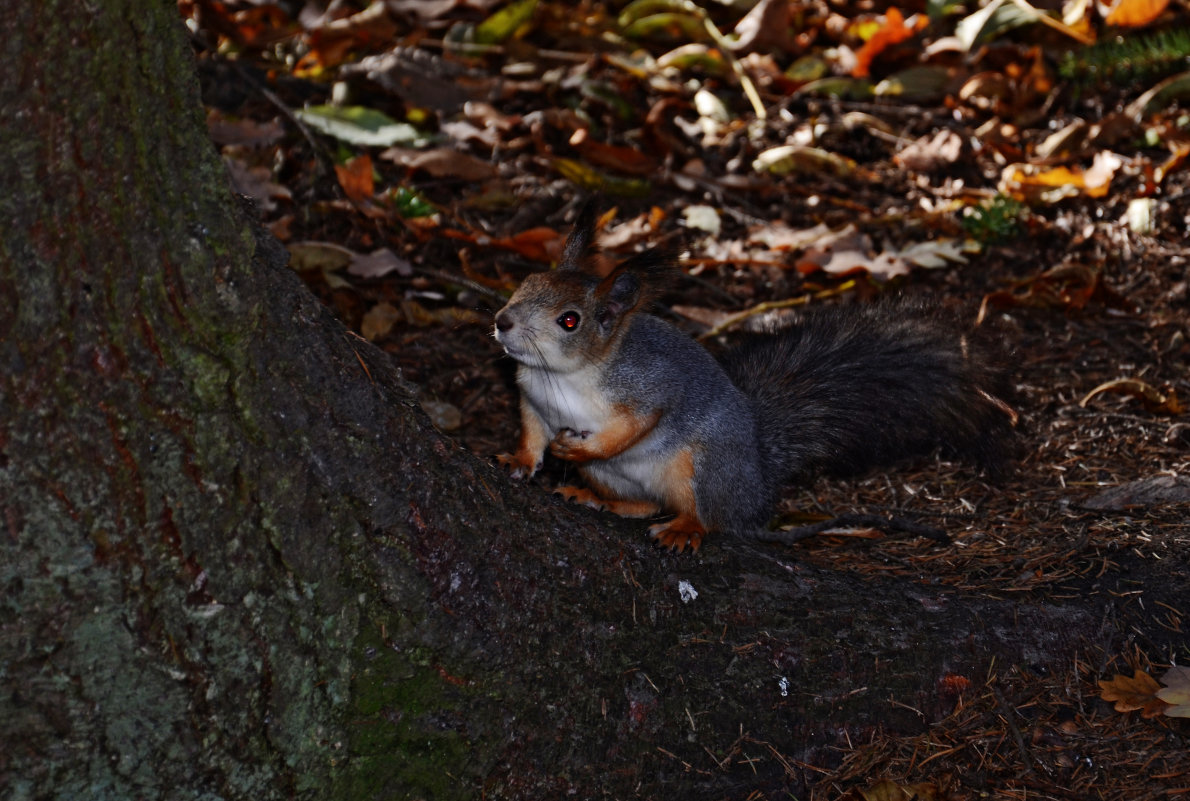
(580,237)
(619,293)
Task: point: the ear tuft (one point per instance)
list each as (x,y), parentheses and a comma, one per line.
(580,237)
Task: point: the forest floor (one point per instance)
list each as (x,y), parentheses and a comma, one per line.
(1019,175)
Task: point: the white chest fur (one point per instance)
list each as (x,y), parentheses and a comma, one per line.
(565,400)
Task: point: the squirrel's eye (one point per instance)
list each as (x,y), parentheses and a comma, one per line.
(569,320)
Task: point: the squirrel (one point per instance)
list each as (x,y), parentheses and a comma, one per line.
(656,424)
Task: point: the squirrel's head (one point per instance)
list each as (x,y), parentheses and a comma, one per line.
(570,318)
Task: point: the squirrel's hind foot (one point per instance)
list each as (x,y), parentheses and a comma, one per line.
(677,534)
(622,508)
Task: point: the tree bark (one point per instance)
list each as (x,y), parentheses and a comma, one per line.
(237,562)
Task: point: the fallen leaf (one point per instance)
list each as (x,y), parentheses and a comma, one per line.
(918,84)
(379,263)
(786,159)
(628,160)
(304,256)
(888,790)
(694,56)
(356,178)
(1154,400)
(1135,13)
(378,321)
(257,183)
(995,18)
(442,162)
(893,31)
(445,416)
(1163,94)
(1034,184)
(505,23)
(1129,694)
(361,126)
(935,253)
(779,236)
(765,27)
(933,152)
(1176,692)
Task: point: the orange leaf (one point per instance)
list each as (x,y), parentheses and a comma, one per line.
(1135,13)
(356,178)
(892,32)
(1138,692)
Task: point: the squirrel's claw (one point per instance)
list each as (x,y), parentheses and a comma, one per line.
(520,465)
(678,533)
(583,496)
(568,445)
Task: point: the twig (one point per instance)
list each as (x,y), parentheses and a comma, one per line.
(1006,713)
(773,305)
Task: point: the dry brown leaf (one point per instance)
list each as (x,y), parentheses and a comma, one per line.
(356,178)
(257,183)
(1155,401)
(765,27)
(379,263)
(325,256)
(779,236)
(627,160)
(1176,692)
(888,790)
(931,152)
(1129,694)
(378,321)
(441,162)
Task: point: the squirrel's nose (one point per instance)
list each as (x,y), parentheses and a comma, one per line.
(503,323)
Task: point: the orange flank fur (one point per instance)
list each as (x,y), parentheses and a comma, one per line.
(686,528)
(625,430)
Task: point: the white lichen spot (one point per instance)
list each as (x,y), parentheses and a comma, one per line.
(686,591)
(783,685)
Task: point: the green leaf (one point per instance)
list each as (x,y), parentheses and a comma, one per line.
(920,83)
(689,26)
(362,126)
(504,23)
(639,9)
(785,159)
(839,86)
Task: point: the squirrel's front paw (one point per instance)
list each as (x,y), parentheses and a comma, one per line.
(570,446)
(520,465)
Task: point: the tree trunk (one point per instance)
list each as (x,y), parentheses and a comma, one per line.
(238,563)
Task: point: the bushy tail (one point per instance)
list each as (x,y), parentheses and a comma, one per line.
(852,388)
